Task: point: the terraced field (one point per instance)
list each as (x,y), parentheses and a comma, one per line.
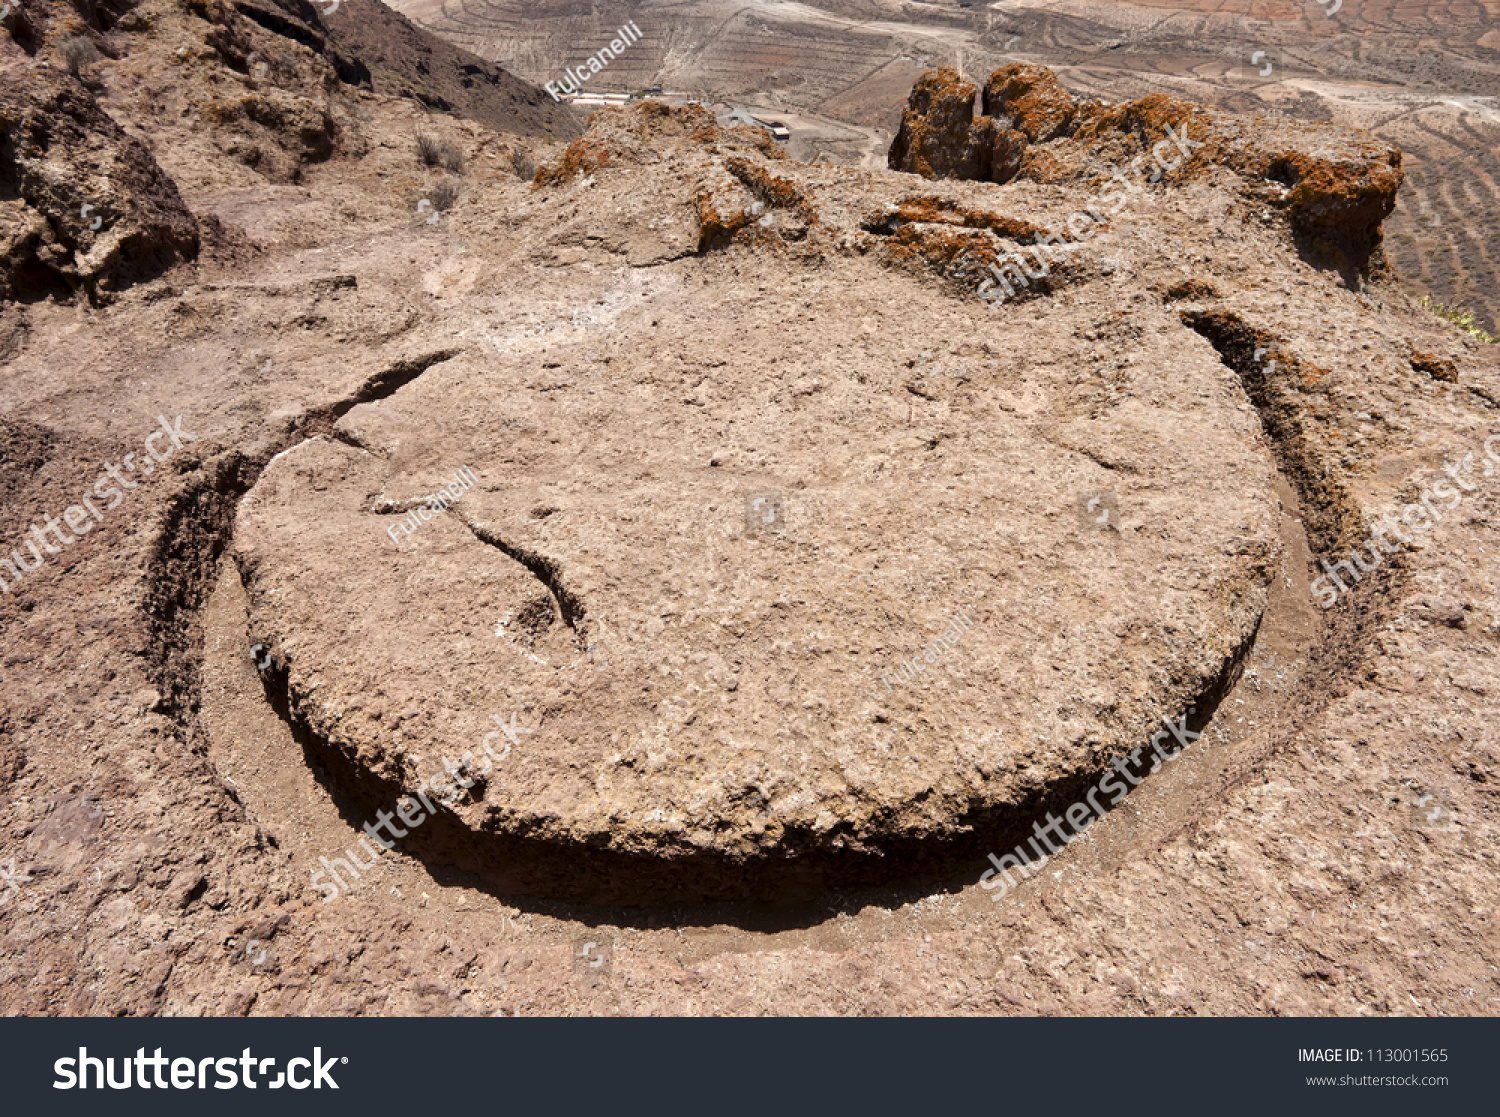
(1442,237)
(708,48)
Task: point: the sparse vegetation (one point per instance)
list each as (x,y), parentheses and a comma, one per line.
(435,152)
(444,194)
(78,52)
(1463,319)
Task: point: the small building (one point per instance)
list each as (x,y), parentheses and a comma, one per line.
(603,98)
(736,116)
(599,100)
(778,130)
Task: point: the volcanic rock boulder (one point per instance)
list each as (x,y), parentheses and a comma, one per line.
(1032,100)
(694,599)
(82,204)
(939,136)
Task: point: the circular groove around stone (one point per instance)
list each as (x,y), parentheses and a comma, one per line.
(720,691)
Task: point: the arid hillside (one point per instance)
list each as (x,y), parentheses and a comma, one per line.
(1425,77)
(458,564)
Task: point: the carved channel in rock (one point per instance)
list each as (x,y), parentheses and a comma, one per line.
(546,571)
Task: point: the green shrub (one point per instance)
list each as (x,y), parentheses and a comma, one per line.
(1463,319)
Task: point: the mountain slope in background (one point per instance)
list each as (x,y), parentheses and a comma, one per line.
(405,60)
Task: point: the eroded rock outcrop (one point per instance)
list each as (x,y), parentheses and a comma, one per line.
(1335,185)
(85,206)
(939,135)
(662,647)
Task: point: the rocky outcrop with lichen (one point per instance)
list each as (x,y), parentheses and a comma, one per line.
(1335,185)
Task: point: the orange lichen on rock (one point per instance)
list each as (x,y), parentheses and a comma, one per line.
(715,227)
(1439,368)
(1037,106)
(1150,130)
(581,157)
(727,186)
(1045,165)
(1344,199)
(631,135)
(1338,184)
(1310,376)
(939,137)
(967,258)
(772,190)
(940,211)
(937,249)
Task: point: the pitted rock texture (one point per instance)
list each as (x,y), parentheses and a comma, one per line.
(66,167)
